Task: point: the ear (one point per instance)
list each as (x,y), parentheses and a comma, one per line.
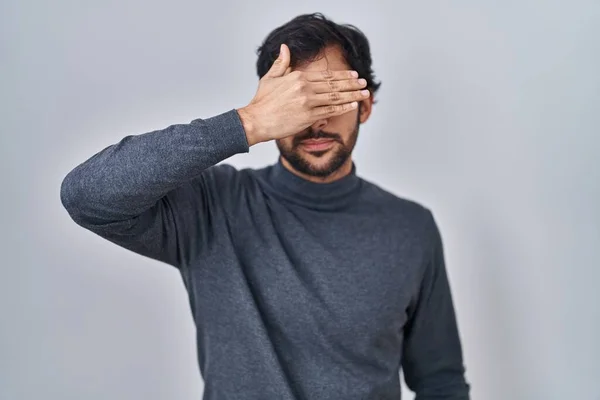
(366,107)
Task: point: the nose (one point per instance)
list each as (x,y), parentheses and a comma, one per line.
(319,125)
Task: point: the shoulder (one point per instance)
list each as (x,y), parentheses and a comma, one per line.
(410,218)
(226,184)
(397,208)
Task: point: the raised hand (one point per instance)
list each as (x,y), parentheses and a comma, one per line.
(289,102)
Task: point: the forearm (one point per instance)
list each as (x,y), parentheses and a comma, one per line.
(127,178)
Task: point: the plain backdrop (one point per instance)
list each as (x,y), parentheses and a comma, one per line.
(489,114)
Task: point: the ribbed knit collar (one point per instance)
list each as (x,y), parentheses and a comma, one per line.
(321,196)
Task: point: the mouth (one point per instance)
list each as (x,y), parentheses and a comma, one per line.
(317,144)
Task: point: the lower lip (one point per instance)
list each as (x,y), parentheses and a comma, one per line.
(317,146)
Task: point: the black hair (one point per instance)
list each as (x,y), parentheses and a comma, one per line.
(308,35)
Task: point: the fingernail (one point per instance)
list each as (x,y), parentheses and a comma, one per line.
(362,81)
(354,74)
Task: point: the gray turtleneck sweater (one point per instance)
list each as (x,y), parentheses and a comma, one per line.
(299,290)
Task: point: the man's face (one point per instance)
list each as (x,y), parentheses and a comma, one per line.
(327,145)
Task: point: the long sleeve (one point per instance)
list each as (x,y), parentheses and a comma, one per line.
(146,192)
(432,355)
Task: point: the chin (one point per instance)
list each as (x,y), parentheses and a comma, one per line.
(321,166)
(320,159)
(318,155)
(320,163)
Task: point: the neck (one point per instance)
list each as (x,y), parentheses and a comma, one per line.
(341,172)
(325,195)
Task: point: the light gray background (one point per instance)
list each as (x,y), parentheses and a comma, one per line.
(488,114)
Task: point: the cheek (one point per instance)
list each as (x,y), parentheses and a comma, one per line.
(285,143)
(346,119)
(343,124)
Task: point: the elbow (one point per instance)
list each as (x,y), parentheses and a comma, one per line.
(72,197)
(90,205)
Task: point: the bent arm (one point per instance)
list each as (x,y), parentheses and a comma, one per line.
(146,192)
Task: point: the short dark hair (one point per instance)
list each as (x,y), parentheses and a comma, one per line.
(308,35)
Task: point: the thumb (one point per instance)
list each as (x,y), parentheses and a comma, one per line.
(281,64)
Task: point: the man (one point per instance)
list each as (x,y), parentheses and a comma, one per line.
(305,281)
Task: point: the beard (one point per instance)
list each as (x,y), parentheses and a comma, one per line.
(338,154)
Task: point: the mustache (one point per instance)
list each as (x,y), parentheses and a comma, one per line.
(316,135)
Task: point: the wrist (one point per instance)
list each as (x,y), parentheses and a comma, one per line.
(250,125)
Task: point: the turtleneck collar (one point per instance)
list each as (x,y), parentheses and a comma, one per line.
(322,196)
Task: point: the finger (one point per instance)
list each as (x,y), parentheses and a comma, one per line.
(287,71)
(333,98)
(333,110)
(328,75)
(281,64)
(345,85)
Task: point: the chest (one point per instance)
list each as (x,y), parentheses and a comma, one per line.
(343,276)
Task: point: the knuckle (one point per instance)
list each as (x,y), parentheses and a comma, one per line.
(300,85)
(333,85)
(334,96)
(304,101)
(327,74)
